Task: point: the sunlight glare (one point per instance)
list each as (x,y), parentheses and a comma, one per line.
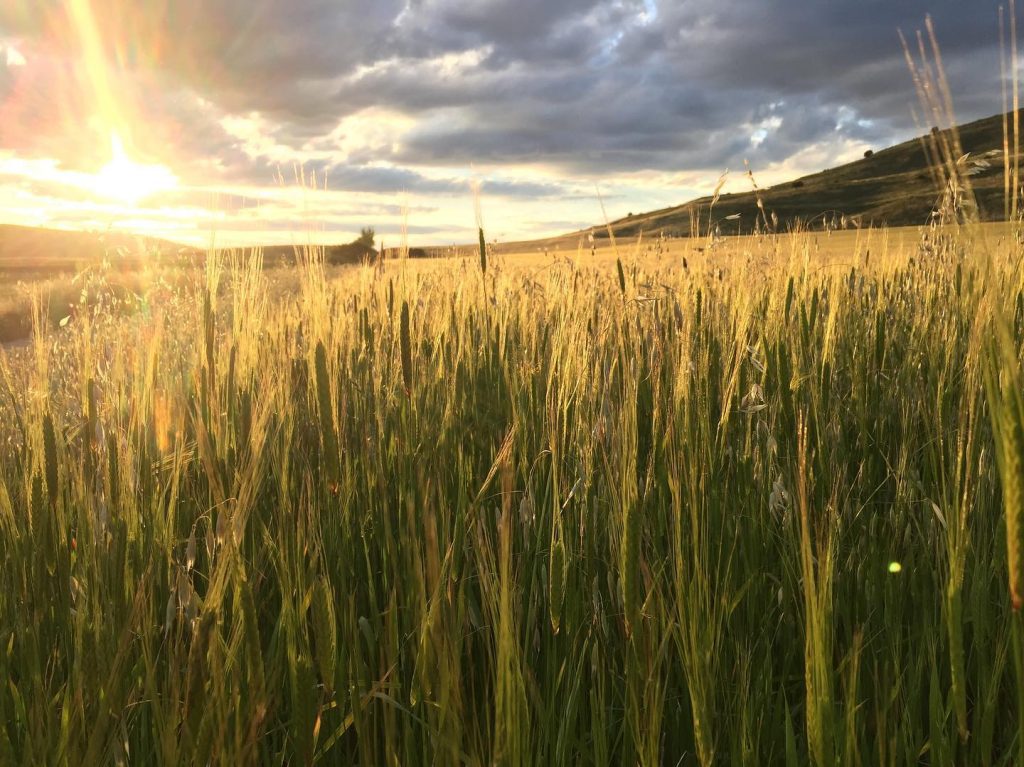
(14,57)
(128,181)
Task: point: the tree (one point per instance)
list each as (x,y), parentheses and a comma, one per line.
(366,236)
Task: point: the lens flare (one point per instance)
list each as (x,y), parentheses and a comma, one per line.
(127,181)
(122,179)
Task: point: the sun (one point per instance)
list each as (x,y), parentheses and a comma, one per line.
(127,181)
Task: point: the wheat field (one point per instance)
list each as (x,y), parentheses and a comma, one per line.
(687,507)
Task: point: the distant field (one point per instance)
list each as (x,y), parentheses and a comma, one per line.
(64,287)
(59,281)
(821,244)
(747,504)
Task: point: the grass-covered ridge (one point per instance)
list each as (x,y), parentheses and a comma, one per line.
(891,186)
(745,510)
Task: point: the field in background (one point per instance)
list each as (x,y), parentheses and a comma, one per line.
(51,277)
(738,505)
(64,288)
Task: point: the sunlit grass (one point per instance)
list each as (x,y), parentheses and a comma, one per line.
(745,510)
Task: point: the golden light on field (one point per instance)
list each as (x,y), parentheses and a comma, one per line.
(128,181)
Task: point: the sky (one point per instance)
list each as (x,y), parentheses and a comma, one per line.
(287,121)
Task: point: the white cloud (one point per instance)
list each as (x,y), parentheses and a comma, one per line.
(544,98)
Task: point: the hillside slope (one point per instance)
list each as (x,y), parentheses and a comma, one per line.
(39,251)
(893,186)
(32,249)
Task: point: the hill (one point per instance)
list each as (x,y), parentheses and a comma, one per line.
(33,250)
(893,187)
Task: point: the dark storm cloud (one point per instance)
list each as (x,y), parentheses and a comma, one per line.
(392,180)
(591,86)
(690,87)
(839,52)
(537,31)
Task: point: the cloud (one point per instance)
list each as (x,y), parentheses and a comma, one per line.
(543,98)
